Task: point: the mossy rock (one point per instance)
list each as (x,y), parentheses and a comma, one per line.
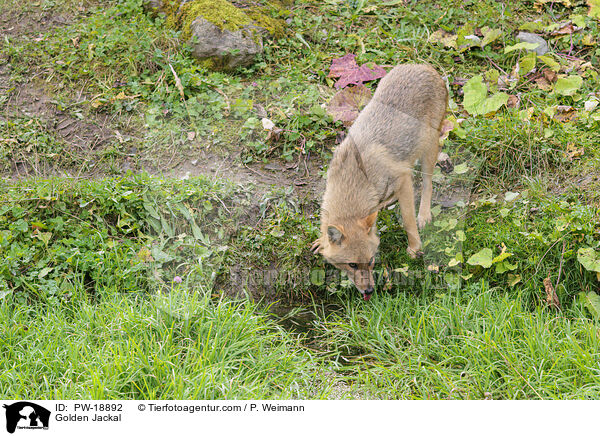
(222,35)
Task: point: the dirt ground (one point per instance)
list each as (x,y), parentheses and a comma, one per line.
(86,136)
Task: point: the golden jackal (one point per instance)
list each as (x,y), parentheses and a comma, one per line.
(373,166)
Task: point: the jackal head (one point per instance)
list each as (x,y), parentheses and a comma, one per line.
(350,245)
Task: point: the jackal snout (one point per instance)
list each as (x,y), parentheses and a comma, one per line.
(351,245)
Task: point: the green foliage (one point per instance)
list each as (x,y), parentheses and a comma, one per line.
(589,258)
(591,301)
(175,345)
(482,258)
(476,101)
(568,85)
(536,234)
(476,343)
(28,140)
(135,233)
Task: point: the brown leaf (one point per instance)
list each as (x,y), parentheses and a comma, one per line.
(347,103)
(565,114)
(549,75)
(513,101)
(551,296)
(339,66)
(447,127)
(573,152)
(566,29)
(543,84)
(274,132)
(444,162)
(350,73)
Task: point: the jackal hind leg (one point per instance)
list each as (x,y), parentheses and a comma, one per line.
(428,161)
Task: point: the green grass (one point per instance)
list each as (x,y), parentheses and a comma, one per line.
(177,345)
(476,343)
(114,324)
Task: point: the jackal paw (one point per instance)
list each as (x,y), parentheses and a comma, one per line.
(423,220)
(414,253)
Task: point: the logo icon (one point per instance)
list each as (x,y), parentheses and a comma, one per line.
(26,415)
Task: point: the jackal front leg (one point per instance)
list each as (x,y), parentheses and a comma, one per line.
(405,195)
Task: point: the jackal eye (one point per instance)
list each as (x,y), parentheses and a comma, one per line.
(353,265)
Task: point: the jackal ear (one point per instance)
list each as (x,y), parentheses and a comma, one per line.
(335,234)
(369,220)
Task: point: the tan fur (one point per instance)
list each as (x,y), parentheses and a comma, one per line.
(373,167)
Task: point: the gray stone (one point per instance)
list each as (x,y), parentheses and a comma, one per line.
(228,48)
(542,47)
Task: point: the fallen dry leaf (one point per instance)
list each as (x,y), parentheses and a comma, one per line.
(433,268)
(347,103)
(274,131)
(267,124)
(350,73)
(178,84)
(565,114)
(444,162)
(565,29)
(549,75)
(513,101)
(573,152)
(447,127)
(551,296)
(543,84)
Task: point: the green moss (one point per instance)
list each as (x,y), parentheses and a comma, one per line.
(170,8)
(274,26)
(219,12)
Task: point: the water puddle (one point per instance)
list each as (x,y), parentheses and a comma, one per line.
(307,322)
(302,319)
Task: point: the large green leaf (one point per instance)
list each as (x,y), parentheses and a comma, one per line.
(550,62)
(489,35)
(589,258)
(591,301)
(527,63)
(594,11)
(568,85)
(482,258)
(476,101)
(521,46)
